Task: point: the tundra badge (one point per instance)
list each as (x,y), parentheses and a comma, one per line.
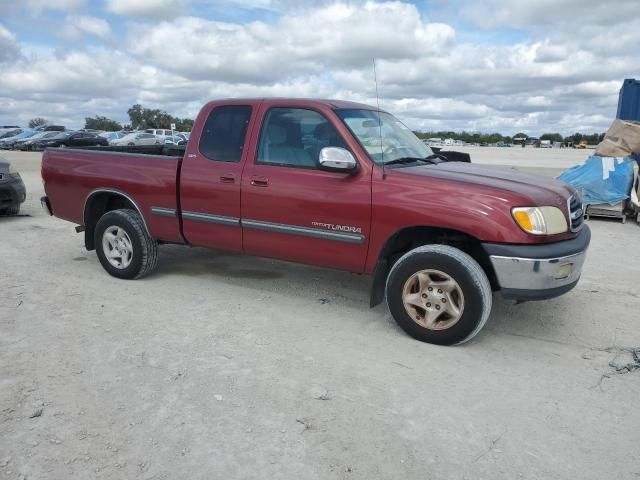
(341,228)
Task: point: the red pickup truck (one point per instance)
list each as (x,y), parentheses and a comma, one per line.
(339,185)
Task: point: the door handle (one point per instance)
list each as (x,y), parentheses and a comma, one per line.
(259,181)
(228,178)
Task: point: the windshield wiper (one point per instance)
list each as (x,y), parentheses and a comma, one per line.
(431,159)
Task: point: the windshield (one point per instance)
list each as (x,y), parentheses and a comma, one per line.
(384,137)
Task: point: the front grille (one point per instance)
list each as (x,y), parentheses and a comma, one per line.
(5,197)
(576,212)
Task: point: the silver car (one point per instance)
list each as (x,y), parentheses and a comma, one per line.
(138,138)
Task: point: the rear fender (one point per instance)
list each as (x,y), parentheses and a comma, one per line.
(103,200)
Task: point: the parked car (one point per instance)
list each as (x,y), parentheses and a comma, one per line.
(160,132)
(177,139)
(336,184)
(12,189)
(9,132)
(51,128)
(112,136)
(138,138)
(8,142)
(29,143)
(73,139)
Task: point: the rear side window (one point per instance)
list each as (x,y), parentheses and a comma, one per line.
(224,133)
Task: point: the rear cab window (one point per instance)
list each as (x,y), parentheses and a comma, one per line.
(224,132)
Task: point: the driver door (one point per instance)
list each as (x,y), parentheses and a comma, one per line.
(291,209)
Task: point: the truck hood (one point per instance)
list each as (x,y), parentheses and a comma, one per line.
(536,188)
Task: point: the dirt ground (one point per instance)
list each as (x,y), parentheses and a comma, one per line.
(219,366)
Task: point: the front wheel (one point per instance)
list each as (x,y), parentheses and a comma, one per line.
(123,245)
(439,294)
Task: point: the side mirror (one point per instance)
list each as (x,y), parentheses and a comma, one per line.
(336,159)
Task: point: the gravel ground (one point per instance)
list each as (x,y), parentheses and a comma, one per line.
(219,366)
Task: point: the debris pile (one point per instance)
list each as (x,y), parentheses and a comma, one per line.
(608,181)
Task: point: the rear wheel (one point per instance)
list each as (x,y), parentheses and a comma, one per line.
(123,245)
(439,294)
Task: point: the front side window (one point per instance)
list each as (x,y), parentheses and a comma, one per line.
(384,137)
(293,137)
(224,133)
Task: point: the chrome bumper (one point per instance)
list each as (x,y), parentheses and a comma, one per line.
(538,273)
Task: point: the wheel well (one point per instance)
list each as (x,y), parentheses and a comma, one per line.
(412,237)
(97,205)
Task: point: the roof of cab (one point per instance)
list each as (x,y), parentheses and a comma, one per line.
(334,104)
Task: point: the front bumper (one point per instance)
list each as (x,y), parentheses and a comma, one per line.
(12,191)
(539,271)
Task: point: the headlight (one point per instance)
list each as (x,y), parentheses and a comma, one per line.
(540,220)
(13,171)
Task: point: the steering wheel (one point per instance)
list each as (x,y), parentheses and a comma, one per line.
(393,149)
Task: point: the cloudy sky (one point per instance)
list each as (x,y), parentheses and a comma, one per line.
(480,65)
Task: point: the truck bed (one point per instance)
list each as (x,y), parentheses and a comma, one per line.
(72,176)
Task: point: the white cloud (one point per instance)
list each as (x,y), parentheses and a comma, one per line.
(325,39)
(571,13)
(75,26)
(9,49)
(147,8)
(557,78)
(38,6)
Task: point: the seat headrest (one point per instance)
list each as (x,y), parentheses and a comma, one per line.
(276,134)
(323,131)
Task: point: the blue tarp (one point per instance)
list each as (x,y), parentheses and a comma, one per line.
(601,179)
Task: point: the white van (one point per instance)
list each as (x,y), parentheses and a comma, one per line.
(159,132)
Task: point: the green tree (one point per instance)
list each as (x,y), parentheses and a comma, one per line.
(142,118)
(467,136)
(591,139)
(554,137)
(184,124)
(37,122)
(136,116)
(102,123)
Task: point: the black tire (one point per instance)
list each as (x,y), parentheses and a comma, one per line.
(462,268)
(144,259)
(131,144)
(13,210)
